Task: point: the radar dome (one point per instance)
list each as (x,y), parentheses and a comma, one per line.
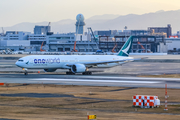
(80,17)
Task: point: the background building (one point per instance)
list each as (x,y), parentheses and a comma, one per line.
(65,42)
(173,45)
(16,35)
(167,30)
(37,39)
(154,39)
(106,32)
(141,43)
(42,29)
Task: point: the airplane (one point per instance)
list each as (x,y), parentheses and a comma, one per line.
(7,51)
(2,52)
(76,63)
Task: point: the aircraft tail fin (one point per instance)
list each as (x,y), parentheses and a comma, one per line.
(126,47)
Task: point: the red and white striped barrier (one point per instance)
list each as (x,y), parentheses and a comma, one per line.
(146,101)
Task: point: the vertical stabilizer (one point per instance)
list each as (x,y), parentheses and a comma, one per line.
(126,48)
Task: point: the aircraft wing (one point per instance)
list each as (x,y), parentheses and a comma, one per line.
(106,62)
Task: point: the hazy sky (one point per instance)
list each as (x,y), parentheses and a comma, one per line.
(17,11)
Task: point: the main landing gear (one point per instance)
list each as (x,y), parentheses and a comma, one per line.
(84,73)
(70,73)
(87,73)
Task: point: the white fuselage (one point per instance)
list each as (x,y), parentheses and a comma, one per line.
(61,61)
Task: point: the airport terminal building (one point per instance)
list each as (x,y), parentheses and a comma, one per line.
(84,42)
(65,42)
(152,40)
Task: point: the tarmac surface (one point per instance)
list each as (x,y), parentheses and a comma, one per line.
(132,68)
(120,76)
(93,80)
(124,75)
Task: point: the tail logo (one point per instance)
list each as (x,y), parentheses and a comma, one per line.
(126,47)
(27,62)
(126,50)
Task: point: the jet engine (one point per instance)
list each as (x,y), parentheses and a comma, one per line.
(78,68)
(50,70)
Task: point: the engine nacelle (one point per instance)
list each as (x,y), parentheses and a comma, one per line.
(50,70)
(78,68)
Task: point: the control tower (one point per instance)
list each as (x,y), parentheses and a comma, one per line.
(80,24)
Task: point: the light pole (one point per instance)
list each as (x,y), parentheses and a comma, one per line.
(125,31)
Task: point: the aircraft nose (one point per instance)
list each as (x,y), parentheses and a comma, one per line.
(17,64)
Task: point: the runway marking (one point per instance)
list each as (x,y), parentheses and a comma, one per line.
(133,78)
(102,81)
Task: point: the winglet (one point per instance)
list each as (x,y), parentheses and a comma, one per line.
(126,48)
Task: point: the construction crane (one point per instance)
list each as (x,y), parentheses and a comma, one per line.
(2,31)
(92,34)
(48,27)
(142,47)
(74,50)
(42,46)
(114,48)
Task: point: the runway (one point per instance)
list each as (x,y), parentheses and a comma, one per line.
(116,76)
(93,80)
(132,68)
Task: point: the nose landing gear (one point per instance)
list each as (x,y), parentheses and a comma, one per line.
(25,71)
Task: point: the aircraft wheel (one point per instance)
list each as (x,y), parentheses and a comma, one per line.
(87,73)
(25,73)
(70,73)
(84,73)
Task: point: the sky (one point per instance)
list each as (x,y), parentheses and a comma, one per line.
(16,11)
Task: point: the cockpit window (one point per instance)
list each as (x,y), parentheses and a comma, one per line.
(20,60)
